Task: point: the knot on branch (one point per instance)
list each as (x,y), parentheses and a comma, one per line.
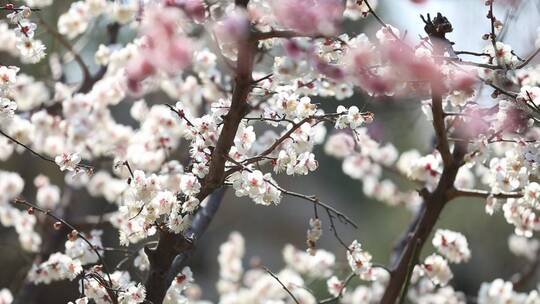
(438,27)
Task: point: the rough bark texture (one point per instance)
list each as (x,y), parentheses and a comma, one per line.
(433,204)
(173,249)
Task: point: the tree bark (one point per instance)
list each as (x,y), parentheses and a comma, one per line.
(171,247)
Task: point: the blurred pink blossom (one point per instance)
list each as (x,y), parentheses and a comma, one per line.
(164,48)
(309,16)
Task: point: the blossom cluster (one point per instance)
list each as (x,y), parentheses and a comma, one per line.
(233,94)
(30,49)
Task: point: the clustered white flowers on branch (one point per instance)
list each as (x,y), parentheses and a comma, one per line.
(233,94)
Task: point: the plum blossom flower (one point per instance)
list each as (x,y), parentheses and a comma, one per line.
(75,21)
(19,14)
(32,50)
(258,186)
(437,269)
(133,294)
(351,117)
(335,286)
(80,250)
(502,54)
(25,29)
(68,161)
(178,286)
(58,267)
(8,77)
(359,260)
(246,138)
(426,169)
(189,184)
(453,245)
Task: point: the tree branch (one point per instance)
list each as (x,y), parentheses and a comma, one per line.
(434,202)
(108,284)
(170,245)
(482,194)
(69,47)
(282,285)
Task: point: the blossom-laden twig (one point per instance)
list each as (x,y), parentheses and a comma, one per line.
(89,169)
(75,233)
(335,299)
(170,245)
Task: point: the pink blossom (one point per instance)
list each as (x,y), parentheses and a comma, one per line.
(309,16)
(165,48)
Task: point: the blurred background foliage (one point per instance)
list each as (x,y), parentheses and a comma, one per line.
(268,229)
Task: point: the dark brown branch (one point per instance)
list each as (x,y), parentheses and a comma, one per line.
(412,262)
(171,245)
(439,126)
(200,223)
(400,245)
(471,53)
(280,34)
(433,205)
(16,9)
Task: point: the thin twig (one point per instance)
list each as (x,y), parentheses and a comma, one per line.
(87,168)
(340,294)
(79,234)
(281,283)
(483,194)
(60,38)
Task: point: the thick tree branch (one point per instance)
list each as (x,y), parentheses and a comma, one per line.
(435,201)
(201,221)
(170,245)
